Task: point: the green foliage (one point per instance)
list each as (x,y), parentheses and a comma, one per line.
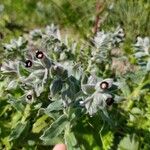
(133,15)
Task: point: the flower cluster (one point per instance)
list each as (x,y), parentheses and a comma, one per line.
(47,61)
(99,94)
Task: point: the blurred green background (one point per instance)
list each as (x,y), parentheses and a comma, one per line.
(18,16)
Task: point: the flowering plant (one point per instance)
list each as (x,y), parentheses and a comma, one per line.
(57,94)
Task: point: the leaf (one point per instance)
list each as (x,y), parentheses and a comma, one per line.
(88,88)
(53,141)
(96,102)
(129,143)
(140,54)
(54,106)
(16,104)
(124,87)
(56,86)
(107,140)
(70,140)
(148,66)
(16,132)
(55,129)
(39,124)
(47,62)
(12,85)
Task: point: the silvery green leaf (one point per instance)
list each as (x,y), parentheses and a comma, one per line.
(37,65)
(59,71)
(46,62)
(66,99)
(36,33)
(53,31)
(88,88)
(63,56)
(19,42)
(16,104)
(38,106)
(123,86)
(143,44)
(129,142)
(90,105)
(17,131)
(77,71)
(118,99)
(95,102)
(139,41)
(93,79)
(12,85)
(10,67)
(45,76)
(100,99)
(56,86)
(140,54)
(8,47)
(68,65)
(102,39)
(146,45)
(70,140)
(118,36)
(35,75)
(148,65)
(54,106)
(55,129)
(39,88)
(16,44)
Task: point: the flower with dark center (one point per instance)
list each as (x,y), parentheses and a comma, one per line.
(109,101)
(29,97)
(28,63)
(104,85)
(39,54)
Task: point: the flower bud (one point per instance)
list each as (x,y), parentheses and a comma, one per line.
(109,101)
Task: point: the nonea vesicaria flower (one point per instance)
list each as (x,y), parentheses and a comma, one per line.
(109,101)
(104,85)
(39,54)
(28,63)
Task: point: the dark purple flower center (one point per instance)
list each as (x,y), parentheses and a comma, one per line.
(28,63)
(104,85)
(29,97)
(109,101)
(39,54)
